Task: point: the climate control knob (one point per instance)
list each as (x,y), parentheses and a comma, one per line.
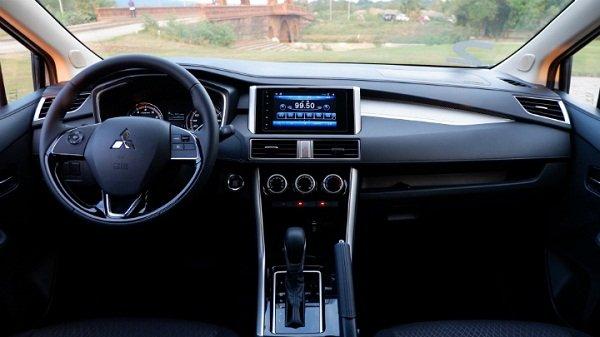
(333,184)
(276,184)
(305,183)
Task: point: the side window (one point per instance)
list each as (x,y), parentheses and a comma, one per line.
(16,69)
(585,73)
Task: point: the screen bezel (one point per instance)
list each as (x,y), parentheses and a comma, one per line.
(345,107)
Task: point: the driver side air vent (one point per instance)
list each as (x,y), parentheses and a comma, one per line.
(548,108)
(273,148)
(336,148)
(77,102)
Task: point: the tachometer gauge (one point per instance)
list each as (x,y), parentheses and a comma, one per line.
(145,109)
(193,121)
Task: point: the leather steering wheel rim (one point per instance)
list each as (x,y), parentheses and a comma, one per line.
(206,138)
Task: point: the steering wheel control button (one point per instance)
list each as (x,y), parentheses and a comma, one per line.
(305,183)
(182,145)
(333,184)
(75,137)
(73,142)
(235,182)
(276,184)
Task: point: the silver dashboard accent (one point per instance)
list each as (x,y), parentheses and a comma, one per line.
(561,104)
(252,109)
(252,103)
(425,113)
(305,149)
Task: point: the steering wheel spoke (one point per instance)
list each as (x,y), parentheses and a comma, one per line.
(123,208)
(72,143)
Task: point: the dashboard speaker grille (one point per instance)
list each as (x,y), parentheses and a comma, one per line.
(515,83)
(273,148)
(548,108)
(336,149)
(77,102)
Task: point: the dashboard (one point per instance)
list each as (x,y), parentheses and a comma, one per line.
(364,114)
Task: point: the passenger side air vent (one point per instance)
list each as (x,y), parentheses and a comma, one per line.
(336,148)
(77,102)
(515,83)
(273,148)
(548,108)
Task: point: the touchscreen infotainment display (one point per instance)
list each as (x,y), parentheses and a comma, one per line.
(305,110)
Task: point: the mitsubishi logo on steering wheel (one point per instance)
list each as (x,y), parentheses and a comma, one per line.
(125,141)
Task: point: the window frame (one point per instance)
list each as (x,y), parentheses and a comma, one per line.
(43,69)
(563,64)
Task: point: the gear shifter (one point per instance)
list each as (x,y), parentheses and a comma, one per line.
(294,249)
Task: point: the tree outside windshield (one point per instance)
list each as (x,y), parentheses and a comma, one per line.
(425,32)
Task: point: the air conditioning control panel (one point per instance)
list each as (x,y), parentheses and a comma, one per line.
(308,188)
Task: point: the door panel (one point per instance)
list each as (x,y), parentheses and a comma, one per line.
(573,258)
(23,288)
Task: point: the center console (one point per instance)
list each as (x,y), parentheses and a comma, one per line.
(305,187)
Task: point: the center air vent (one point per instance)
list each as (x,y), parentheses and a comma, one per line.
(548,108)
(336,149)
(77,102)
(273,148)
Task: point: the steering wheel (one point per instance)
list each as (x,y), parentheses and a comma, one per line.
(126,170)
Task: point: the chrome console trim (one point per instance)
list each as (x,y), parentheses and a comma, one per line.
(352,198)
(260,235)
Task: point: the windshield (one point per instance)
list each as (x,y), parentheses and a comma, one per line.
(475,33)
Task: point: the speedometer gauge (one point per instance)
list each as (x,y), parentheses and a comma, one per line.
(145,109)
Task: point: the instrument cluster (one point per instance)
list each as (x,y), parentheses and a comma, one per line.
(152,96)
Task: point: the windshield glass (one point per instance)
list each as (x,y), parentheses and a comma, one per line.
(473,33)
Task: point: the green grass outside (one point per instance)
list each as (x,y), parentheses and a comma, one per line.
(416,54)
(17,72)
